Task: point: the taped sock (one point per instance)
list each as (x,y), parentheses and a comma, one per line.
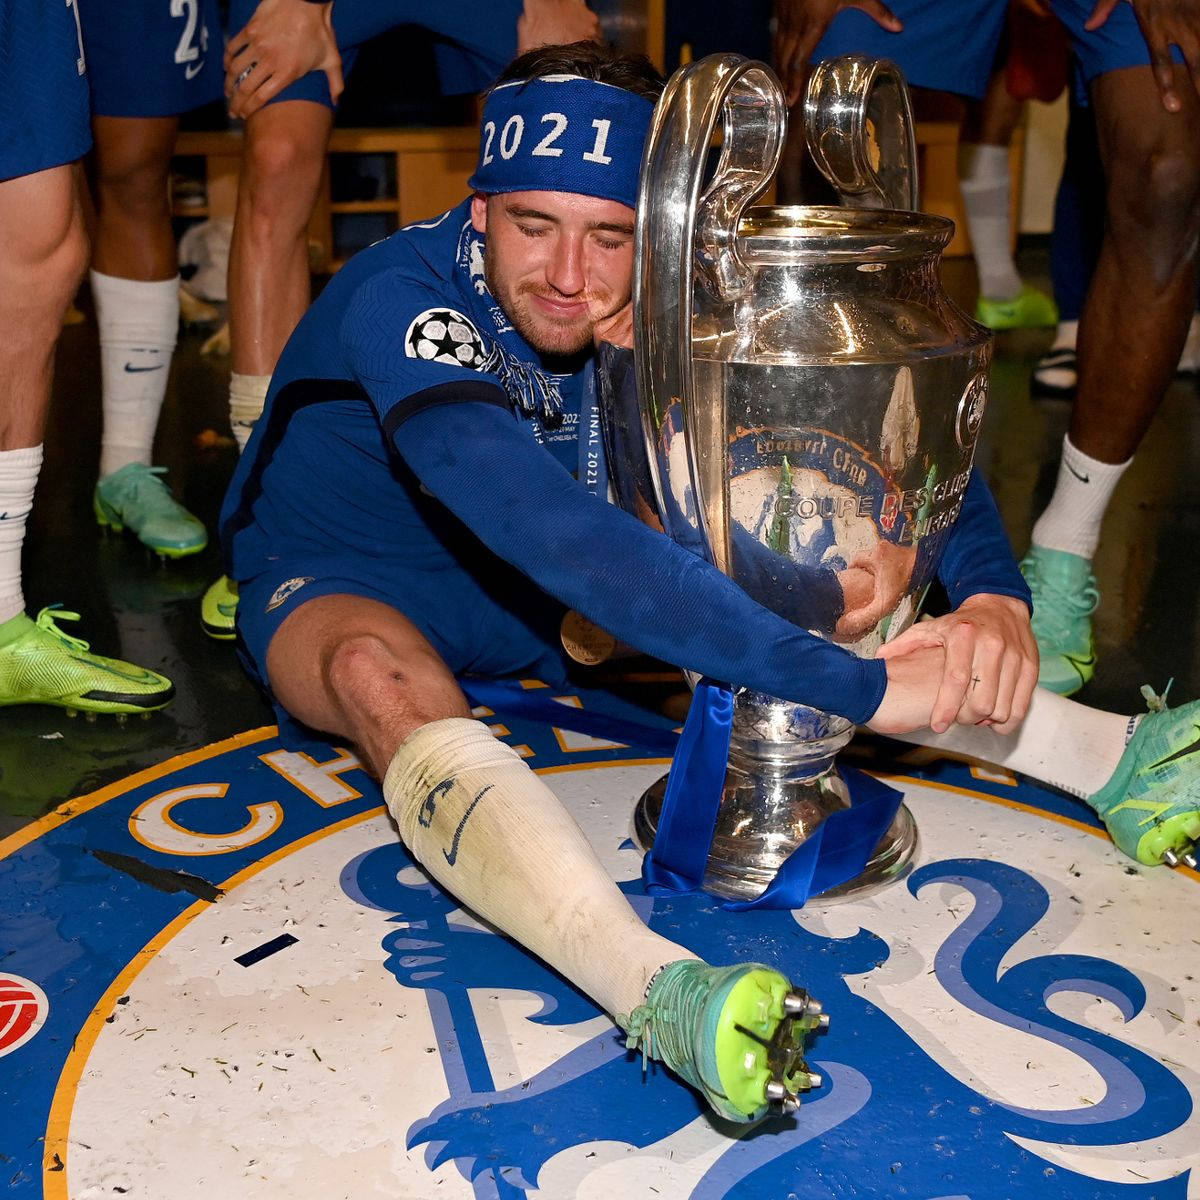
(497,838)
(247,395)
(18,479)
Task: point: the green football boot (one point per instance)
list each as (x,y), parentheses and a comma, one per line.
(1029,309)
(218,609)
(135,496)
(736,1034)
(1151,805)
(40,664)
(1064,598)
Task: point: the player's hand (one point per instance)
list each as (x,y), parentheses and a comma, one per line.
(555,23)
(872,585)
(284,40)
(912,687)
(617,329)
(1163,23)
(991,662)
(800,25)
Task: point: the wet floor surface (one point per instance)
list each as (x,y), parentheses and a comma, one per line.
(1148,566)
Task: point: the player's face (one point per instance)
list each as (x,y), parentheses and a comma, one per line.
(556,262)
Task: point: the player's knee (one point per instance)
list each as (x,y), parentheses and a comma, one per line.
(138,190)
(1156,192)
(281,174)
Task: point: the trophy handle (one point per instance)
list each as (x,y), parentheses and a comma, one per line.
(859,127)
(680,230)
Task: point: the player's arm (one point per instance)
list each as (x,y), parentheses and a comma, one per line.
(284,40)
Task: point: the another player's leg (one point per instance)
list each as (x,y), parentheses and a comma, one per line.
(269,282)
(494,835)
(43,251)
(1132,330)
(135,284)
(1141,774)
(985,180)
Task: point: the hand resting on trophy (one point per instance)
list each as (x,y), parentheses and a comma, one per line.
(983,669)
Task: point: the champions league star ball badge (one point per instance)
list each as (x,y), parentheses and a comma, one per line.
(445,336)
(225,978)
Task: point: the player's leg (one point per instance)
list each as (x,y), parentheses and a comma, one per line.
(1005,301)
(494,835)
(1133,326)
(1141,774)
(135,285)
(269,286)
(43,251)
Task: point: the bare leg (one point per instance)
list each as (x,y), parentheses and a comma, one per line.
(269,284)
(134,239)
(43,250)
(1143,293)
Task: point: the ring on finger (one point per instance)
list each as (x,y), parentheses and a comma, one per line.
(244,74)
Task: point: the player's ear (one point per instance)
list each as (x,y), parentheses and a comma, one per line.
(479,212)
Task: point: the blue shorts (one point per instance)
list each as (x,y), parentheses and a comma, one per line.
(507,628)
(950,45)
(43,88)
(475,39)
(156,59)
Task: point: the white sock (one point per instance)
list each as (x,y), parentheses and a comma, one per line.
(18,479)
(1066,334)
(1076,511)
(139,323)
(1061,742)
(985,182)
(247,395)
(498,839)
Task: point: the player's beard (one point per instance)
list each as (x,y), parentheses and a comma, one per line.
(556,339)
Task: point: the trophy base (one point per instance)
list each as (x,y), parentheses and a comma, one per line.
(762,820)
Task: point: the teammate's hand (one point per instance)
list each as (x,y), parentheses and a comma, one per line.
(284,40)
(912,687)
(991,662)
(872,585)
(1163,23)
(800,25)
(617,329)
(555,23)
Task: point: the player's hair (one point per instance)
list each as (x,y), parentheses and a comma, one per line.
(592,60)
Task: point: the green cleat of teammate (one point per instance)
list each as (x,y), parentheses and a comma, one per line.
(1029,309)
(1151,805)
(218,609)
(1064,598)
(40,664)
(736,1034)
(135,496)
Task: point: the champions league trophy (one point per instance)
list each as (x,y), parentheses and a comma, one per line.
(807,405)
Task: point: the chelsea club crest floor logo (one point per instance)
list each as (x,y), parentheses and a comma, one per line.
(226,978)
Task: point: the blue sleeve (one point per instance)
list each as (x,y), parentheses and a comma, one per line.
(624,576)
(978,558)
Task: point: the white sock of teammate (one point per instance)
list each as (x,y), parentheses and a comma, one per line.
(1076,511)
(139,323)
(495,836)
(18,479)
(247,395)
(985,181)
(1061,742)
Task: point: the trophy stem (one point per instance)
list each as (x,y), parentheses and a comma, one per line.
(764,816)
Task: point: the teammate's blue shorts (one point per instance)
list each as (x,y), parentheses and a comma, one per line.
(156,59)
(507,627)
(475,39)
(950,45)
(43,87)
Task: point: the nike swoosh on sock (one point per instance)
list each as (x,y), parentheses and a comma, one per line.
(137,370)
(451,856)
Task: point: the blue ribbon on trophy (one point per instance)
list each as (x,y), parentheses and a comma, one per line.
(837,851)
